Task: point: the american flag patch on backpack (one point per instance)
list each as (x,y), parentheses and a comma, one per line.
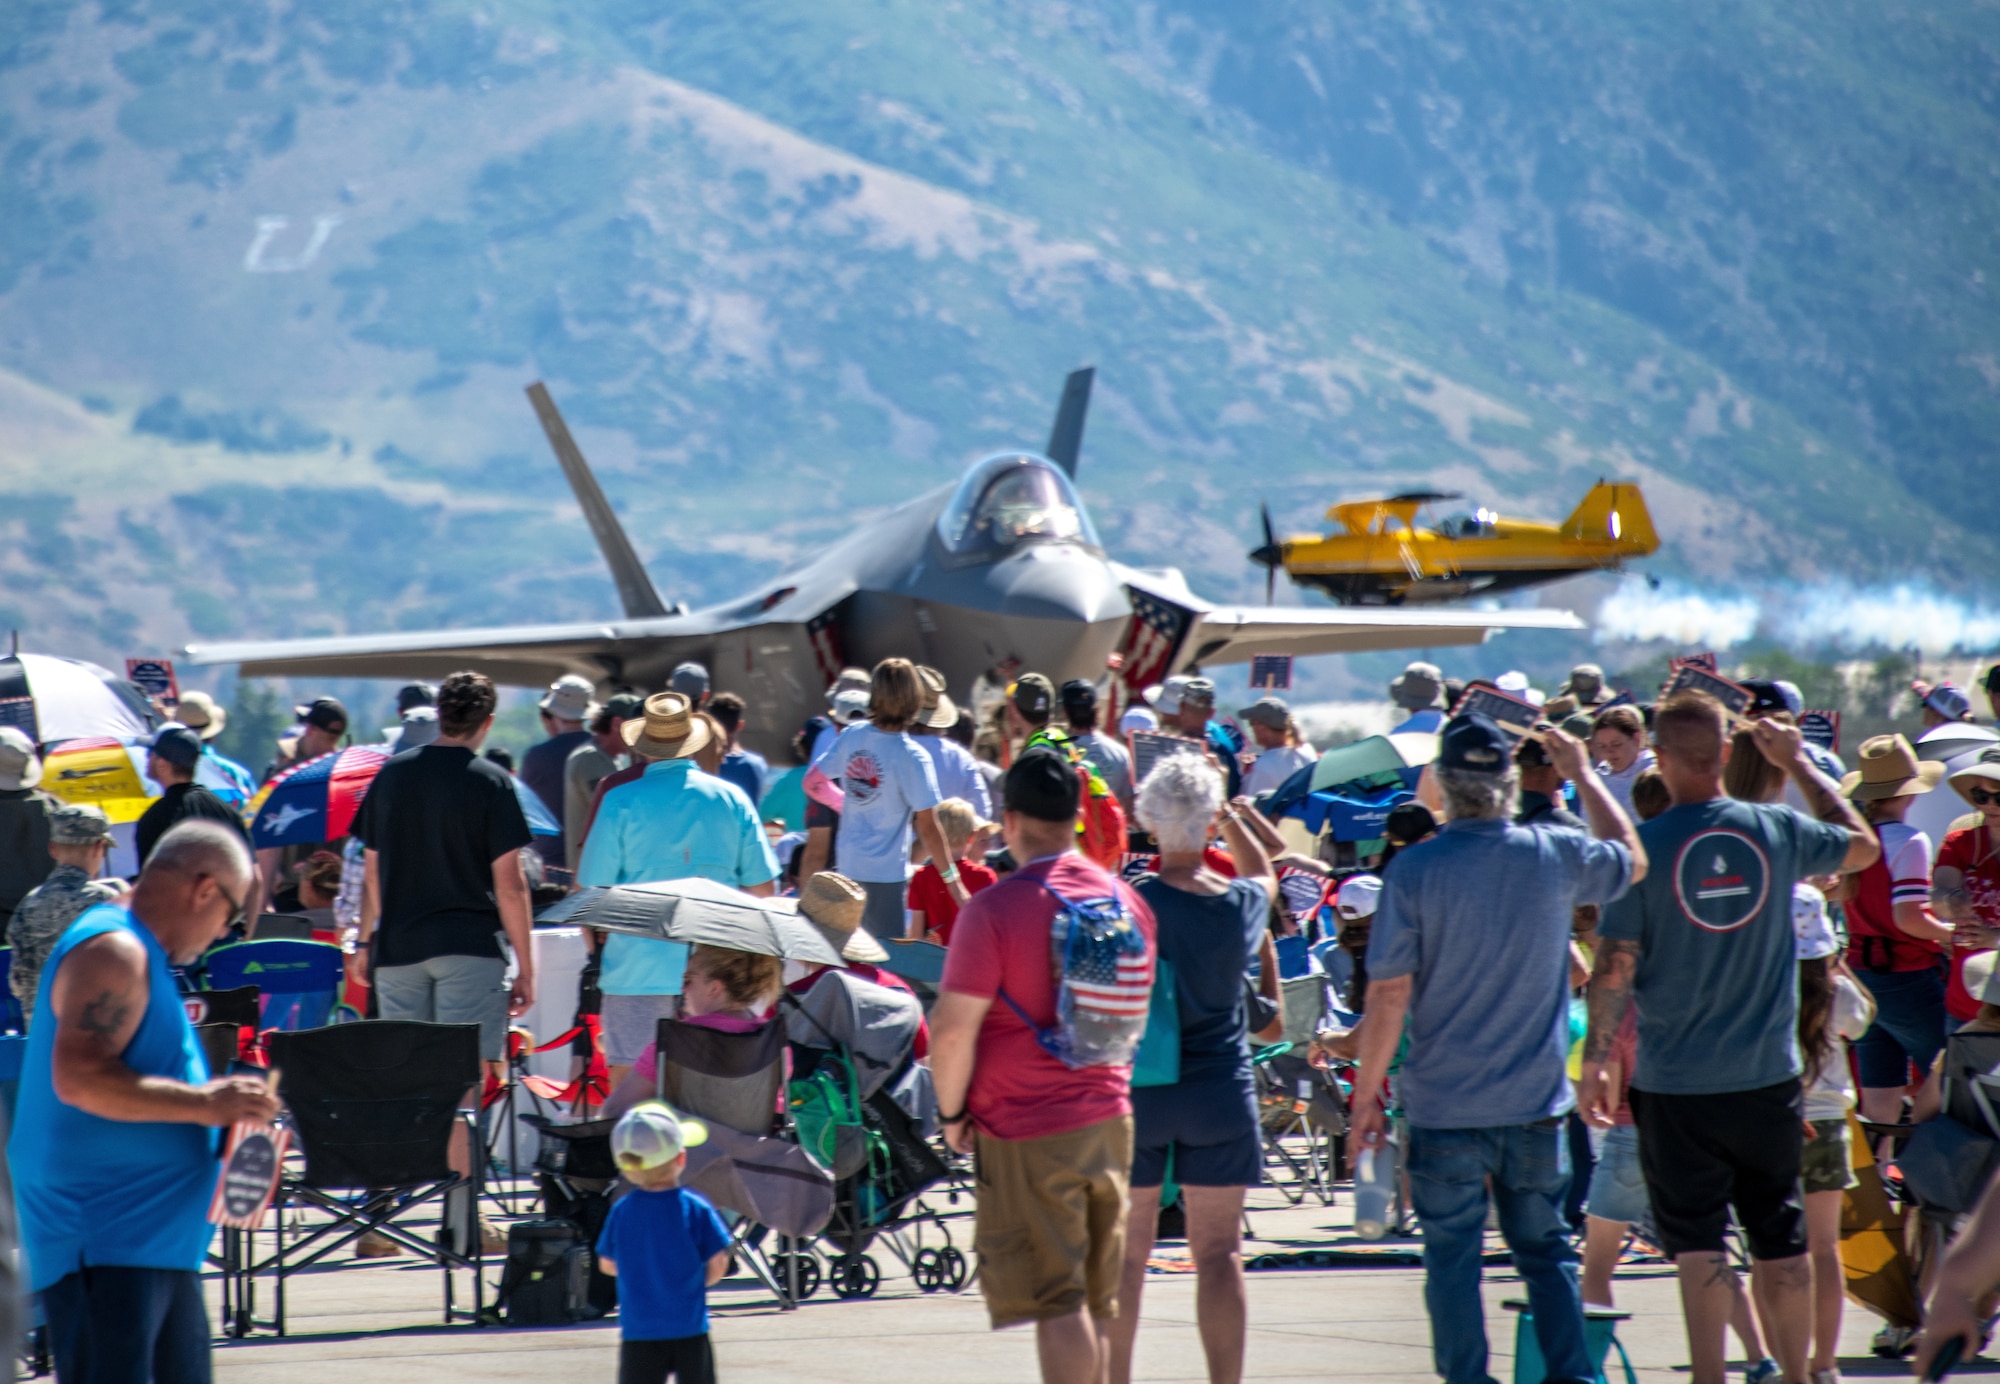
(1104,983)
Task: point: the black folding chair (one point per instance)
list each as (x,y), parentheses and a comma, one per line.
(372,1106)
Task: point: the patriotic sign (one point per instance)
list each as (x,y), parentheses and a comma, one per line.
(154,677)
(250,1172)
(1270,672)
(1689,676)
(1152,639)
(1821,728)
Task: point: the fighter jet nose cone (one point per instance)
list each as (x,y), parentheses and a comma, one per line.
(1057,582)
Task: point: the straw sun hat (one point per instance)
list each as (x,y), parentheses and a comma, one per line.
(1890,769)
(668,730)
(833,903)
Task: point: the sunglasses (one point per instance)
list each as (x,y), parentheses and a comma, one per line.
(235,905)
(1979,797)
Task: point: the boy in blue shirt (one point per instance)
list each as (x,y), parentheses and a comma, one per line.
(666,1245)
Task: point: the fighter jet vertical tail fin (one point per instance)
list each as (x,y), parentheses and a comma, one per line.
(1066,437)
(635,588)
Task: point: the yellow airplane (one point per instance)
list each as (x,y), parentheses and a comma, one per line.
(1382,556)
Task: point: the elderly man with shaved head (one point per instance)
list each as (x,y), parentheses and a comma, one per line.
(115,1135)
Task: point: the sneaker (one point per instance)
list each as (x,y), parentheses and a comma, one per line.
(1894,1342)
(1763,1372)
(1828,1376)
(492,1239)
(373,1244)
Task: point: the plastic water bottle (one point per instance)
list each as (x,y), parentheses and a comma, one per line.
(1373,1191)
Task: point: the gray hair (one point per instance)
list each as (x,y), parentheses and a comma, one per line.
(1469,793)
(1178,802)
(198,847)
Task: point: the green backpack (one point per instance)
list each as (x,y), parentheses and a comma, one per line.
(826,1115)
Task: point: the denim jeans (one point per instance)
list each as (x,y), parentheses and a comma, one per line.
(111,1325)
(1529,1165)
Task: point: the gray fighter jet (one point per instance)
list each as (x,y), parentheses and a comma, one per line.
(1001,571)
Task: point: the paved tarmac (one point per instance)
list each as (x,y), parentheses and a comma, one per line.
(377,1323)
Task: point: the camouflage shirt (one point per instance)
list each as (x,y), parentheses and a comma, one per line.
(41,919)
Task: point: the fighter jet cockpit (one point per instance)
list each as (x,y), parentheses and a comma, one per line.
(1012,499)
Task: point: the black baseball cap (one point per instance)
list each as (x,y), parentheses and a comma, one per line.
(1079,694)
(1409,822)
(1042,785)
(626,706)
(1474,743)
(1033,694)
(178,745)
(415,694)
(327,714)
(1765,696)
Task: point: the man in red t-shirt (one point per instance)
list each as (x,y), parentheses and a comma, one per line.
(1054,1143)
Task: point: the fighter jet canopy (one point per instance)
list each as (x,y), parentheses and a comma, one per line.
(1009,500)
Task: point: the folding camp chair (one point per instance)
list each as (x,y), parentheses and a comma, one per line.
(282,927)
(299,981)
(372,1106)
(732,1080)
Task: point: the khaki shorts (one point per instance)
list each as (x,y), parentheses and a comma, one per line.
(1825,1164)
(1050,1222)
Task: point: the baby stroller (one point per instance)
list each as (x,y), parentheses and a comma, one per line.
(863,1108)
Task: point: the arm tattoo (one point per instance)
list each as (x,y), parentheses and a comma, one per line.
(1610,994)
(105,1015)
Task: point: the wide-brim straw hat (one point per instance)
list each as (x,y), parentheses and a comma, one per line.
(199,713)
(1890,769)
(833,904)
(939,712)
(1984,770)
(668,730)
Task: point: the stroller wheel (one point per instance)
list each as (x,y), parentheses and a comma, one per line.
(855,1276)
(928,1269)
(954,1268)
(808,1272)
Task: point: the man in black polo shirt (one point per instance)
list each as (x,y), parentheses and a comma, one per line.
(176,751)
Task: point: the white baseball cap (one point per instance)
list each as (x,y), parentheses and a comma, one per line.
(1358,896)
(1810,925)
(651,1134)
(18,766)
(1138,718)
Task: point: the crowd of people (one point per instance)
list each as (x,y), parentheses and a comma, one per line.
(1599,977)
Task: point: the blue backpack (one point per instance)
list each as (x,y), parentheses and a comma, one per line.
(1104,984)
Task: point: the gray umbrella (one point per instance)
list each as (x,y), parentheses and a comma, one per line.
(697,911)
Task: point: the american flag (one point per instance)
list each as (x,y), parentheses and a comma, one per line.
(1151,640)
(1113,976)
(823,631)
(1113,987)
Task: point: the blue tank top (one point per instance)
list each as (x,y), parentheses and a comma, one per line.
(93,1191)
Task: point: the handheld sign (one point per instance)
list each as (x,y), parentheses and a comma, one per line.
(154,677)
(1515,716)
(1701,660)
(1692,677)
(1149,747)
(1270,672)
(1821,728)
(251,1166)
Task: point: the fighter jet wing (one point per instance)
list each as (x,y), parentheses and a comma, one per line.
(523,655)
(1231,634)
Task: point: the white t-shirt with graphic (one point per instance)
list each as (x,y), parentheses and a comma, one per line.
(886,776)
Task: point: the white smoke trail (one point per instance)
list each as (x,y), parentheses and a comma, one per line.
(1838,616)
(1639,613)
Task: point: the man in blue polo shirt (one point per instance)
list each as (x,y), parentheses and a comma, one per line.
(1471,942)
(673,822)
(113,1153)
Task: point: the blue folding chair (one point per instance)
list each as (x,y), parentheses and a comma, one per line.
(298,981)
(12,1020)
